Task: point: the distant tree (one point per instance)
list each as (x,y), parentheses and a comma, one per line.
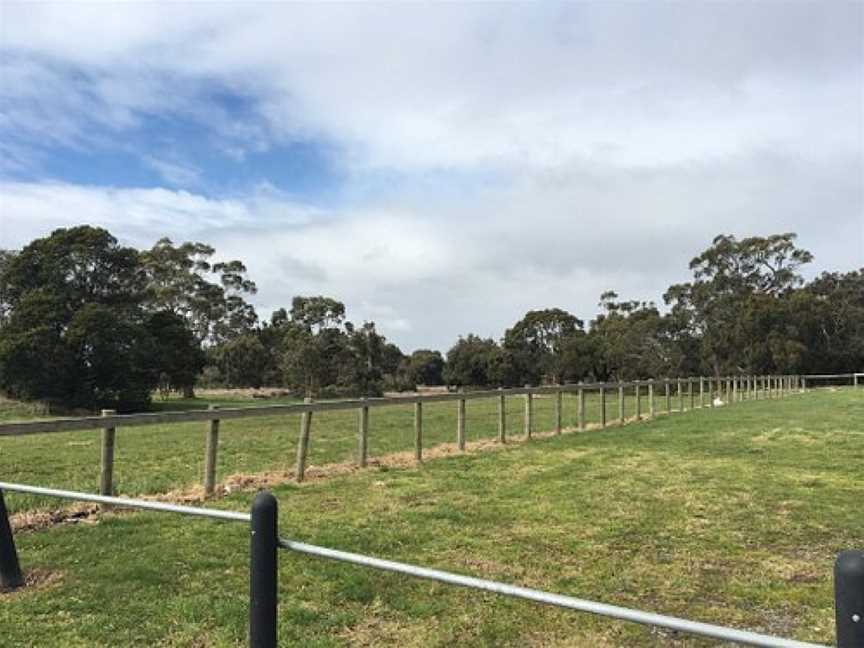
(317,313)
(726,275)
(425,367)
(178,354)
(243,361)
(183,280)
(469,361)
(316,351)
(74,334)
(829,314)
(115,359)
(537,341)
(631,340)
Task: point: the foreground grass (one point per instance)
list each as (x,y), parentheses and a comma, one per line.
(730,516)
(162,458)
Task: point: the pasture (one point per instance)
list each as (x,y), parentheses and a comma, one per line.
(732,515)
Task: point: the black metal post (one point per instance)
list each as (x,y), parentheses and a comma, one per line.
(849,599)
(263,571)
(10,569)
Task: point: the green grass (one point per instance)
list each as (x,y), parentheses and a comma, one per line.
(731,516)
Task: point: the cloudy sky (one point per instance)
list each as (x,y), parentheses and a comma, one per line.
(440,168)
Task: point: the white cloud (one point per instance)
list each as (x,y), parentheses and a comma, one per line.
(175,174)
(621,139)
(461,86)
(427,276)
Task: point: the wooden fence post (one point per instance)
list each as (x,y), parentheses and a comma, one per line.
(303,442)
(418,431)
(691,393)
(529,413)
(581,412)
(701,392)
(668,397)
(680,395)
(502,416)
(362,435)
(210,453)
(106,476)
(558,398)
(620,404)
(651,407)
(638,402)
(460,424)
(602,406)
(734,389)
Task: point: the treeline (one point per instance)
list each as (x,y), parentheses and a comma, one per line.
(88,323)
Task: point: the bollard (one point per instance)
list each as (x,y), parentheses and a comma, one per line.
(263,571)
(210,455)
(106,476)
(849,599)
(363,436)
(418,431)
(10,569)
(502,416)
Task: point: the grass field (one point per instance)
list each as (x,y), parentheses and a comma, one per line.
(732,515)
(162,458)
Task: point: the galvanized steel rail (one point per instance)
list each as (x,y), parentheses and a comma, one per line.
(124,502)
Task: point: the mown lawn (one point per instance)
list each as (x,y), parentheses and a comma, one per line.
(732,516)
(163,458)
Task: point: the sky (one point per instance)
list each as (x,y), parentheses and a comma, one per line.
(440,168)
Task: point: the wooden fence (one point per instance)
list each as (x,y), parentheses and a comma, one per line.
(701,391)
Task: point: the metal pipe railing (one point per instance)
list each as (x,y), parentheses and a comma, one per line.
(124,502)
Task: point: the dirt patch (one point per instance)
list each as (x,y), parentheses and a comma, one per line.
(34,580)
(35,520)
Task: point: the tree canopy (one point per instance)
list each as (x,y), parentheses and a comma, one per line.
(86,322)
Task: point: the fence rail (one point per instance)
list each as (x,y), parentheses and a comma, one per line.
(685,391)
(136,420)
(263,564)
